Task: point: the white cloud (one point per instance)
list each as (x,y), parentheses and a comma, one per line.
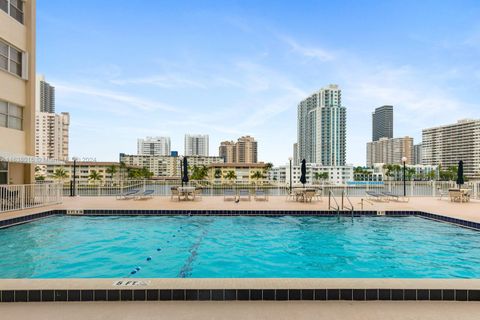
(119,97)
(309,52)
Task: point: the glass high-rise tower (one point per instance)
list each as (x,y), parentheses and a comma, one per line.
(382,123)
(321,130)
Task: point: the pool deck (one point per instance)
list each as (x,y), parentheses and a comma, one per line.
(467,211)
(340,310)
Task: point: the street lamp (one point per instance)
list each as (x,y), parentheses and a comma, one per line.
(74,182)
(404,161)
(290,159)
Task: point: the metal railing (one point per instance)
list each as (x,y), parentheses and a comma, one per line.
(344,206)
(335,207)
(163,188)
(19,197)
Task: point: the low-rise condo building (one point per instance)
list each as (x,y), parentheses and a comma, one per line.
(237,173)
(86,170)
(316,174)
(166,167)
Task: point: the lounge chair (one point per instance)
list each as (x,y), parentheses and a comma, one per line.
(393,196)
(244,195)
(260,195)
(373,195)
(229,194)
(127,195)
(145,195)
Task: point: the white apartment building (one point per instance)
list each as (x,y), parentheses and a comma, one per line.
(321,128)
(447,145)
(155,146)
(390,151)
(336,175)
(196,145)
(52,135)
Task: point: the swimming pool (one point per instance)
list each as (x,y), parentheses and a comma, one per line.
(238,247)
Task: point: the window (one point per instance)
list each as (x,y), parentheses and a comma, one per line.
(14,8)
(3,172)
(11,59)
(11,116)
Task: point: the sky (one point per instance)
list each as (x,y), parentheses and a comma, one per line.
(130,69)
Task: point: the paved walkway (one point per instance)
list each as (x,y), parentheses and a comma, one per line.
(467,211)
(242,310)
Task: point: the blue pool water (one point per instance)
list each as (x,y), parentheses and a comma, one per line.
(223,247)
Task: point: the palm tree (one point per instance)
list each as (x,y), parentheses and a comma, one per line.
(111,170)
(199,173)
(230,175)
(218,173)
(94,176)
(145,173)
(123,166)
(257,175)
(60,174)
(321,176)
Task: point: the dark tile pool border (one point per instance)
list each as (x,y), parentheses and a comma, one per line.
(272,213)
(329,294)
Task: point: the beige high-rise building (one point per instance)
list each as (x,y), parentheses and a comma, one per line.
(227,151)
(390,151)
(242,151)
(246,150)
(447,145)
(17,91)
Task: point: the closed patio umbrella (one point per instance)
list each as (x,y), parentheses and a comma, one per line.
(303,177)
(460,179)
(185,171)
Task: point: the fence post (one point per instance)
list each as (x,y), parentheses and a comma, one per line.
(434,188)
(412,183)
(22,197)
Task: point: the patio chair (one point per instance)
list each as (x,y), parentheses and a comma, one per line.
(244,195)
(465,195)
(290,196)
(442,193)
(197,194)
(260,195)
(174,193)
(318,195)
(127,195)
(147,194)
(229,194)
(308,195)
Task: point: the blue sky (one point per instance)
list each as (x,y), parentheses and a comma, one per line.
(128,69)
